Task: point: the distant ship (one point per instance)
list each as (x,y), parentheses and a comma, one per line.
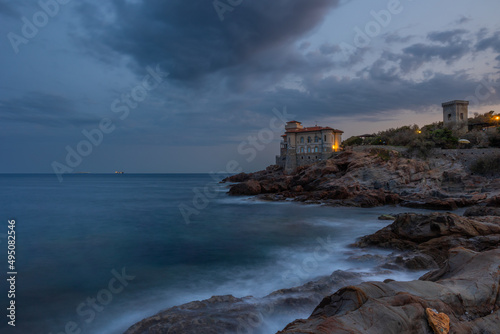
(118,172)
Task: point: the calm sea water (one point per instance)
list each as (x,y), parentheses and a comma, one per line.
(74,237)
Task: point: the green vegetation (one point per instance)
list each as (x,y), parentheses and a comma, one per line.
(420,141)
(381,153)
(487,166)
(352,141)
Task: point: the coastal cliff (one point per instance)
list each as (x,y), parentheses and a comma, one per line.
(372,177)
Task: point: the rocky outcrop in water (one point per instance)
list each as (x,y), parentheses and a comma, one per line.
(431,236)
(466,290)
(228,314)
(371,178)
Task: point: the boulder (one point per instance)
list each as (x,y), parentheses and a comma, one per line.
(250,187)
(434,234)
(478,211)
(241,177)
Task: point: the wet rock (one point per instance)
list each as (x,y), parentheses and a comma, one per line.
(434,234)
(386,217)
(468,284)
(241,177)
(228,314)
(477,211)
(493,202)
(436,204)
(250,187)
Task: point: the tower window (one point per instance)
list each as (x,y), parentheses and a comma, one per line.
(325,137)
(449,117)
(302,140)
(308,139)
(461,116)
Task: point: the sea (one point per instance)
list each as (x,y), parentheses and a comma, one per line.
(97,253)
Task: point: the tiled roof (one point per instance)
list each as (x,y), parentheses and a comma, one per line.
(313,129)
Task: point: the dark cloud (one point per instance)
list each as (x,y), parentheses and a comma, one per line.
(379,93)
(395,37)
(416,55)
(447,37)
(328,49)
(188,38)
(44,110)
(463,20)
(8,9)
(492,42)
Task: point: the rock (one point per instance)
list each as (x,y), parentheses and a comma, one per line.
(477,211)
(228,314)
(434,234)
(364,179)
(494,202)
(241,177)
(386,217)
(433,204)
(439,322)
(468,285)
(250,187)
(416,261)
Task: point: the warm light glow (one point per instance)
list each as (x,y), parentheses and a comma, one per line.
(497,118)
(419,131)
(333,147)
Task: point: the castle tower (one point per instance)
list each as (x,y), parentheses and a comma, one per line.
(455,115)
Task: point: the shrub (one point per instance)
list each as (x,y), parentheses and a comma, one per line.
(352,141)
(381,153)
(487,166)
(495,141)
(442,138)
(421,148)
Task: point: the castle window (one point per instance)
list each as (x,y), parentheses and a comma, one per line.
(301,150)
(302,140)
(462,116)
(308,139)
(316,149)
(325,137)
(449,116)
(316,139)
(308,150)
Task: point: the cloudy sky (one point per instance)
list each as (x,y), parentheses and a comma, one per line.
(183,85)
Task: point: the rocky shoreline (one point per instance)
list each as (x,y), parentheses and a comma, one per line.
(369,178)
(460,293)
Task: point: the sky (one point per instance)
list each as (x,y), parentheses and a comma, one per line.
(198,86)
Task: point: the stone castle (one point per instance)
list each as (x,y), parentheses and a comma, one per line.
(303,146)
